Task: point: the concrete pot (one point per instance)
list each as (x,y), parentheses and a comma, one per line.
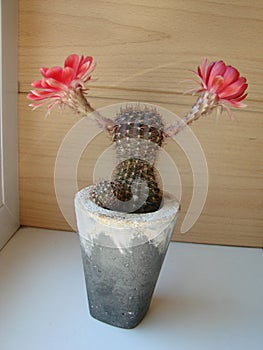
(122,257)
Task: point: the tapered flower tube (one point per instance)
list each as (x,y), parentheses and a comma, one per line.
(221,87)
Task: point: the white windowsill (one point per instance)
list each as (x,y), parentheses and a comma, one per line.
(207,297)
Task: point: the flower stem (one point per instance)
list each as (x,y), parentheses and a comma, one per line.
(205,103)
(80,104)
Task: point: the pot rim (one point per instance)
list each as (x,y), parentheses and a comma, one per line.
(170,207)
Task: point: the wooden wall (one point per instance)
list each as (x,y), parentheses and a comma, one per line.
(145,50)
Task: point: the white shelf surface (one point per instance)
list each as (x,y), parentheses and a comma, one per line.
(207,297)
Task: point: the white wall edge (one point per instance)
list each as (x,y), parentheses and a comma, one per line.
(9,211)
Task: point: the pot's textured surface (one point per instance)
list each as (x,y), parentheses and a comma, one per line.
(122,257)
(120,284)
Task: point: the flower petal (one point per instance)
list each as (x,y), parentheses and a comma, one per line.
(204,67)
(240,98)
(68,75)
(72,61)
(43,71)
(85,71)
(234,103)
(238,93)
(208,72)
(234,88)
(56,84)
(217,70)
(217,83)
(55,73)
(37,84)
(37,95)
(231,74)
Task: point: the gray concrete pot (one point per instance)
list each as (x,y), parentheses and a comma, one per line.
(122,257)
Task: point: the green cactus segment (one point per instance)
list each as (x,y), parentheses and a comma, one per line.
(138,133)
(133,188)
(138,179)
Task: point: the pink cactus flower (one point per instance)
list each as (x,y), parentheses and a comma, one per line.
(221,88)
(224,82)
(64,86)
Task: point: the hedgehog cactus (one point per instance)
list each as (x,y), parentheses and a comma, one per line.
(137,131)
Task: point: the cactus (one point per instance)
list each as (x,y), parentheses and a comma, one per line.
(137,134)
(137,131)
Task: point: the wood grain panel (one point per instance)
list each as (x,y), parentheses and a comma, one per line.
(143,45)
(145,51)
